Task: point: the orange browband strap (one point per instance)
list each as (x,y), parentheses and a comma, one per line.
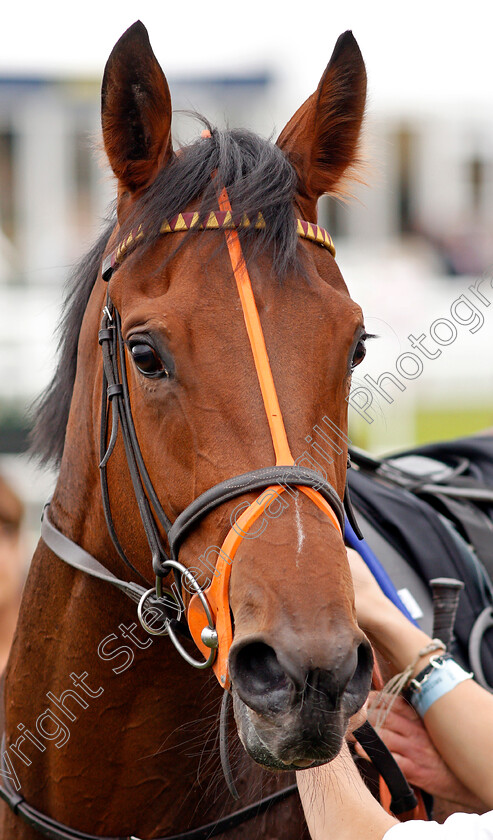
(217,593)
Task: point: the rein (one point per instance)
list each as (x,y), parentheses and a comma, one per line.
(57,831)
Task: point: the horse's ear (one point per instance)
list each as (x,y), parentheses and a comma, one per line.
(321,140)
(135,111)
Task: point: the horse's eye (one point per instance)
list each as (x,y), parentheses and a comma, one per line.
(359,354)
(147,361)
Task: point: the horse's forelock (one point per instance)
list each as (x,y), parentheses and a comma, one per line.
(257,176)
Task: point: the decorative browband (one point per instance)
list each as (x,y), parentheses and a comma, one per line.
(216,220)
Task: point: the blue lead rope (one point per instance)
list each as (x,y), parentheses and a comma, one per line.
(377,570)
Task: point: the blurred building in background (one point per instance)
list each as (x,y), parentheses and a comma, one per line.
(409,244)
(55,193)
(411,247)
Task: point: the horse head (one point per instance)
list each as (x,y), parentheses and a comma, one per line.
(298,666)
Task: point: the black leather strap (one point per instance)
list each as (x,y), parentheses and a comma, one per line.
(348,507)
(57,831)
(108,340)
(116,392)
(245,483)
(403,797)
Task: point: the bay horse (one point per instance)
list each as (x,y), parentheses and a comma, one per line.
(165,425)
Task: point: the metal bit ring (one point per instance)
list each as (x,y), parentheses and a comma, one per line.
(195,663)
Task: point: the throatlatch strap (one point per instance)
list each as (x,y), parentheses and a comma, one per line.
(77,557)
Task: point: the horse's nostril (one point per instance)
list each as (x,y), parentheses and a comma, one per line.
(260,668)
(365,657)
(359,685)
(259,679)
(272,686)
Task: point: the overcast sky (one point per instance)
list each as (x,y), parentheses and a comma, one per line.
(428,52)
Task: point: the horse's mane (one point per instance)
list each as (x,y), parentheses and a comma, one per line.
(258,178)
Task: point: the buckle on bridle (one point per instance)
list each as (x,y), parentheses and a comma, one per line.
(160,606)
(209,634)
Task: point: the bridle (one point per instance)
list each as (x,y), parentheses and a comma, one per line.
(208,612)
(209,618)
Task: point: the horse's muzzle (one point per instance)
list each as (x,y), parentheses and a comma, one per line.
(290,713)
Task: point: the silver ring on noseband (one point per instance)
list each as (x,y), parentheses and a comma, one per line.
(209,633)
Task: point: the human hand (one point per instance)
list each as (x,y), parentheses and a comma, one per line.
(370,601)
(356,721)
(391,633)
(407,739)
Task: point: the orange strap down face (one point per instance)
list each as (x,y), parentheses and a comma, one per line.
(217,593)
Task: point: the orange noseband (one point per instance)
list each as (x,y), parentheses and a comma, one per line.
(217,594)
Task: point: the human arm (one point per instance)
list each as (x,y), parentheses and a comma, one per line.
(459,722)
(339,806)
(335,799)
(337,803)
(405,736)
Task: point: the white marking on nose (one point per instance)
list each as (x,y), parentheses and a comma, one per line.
(299,527)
